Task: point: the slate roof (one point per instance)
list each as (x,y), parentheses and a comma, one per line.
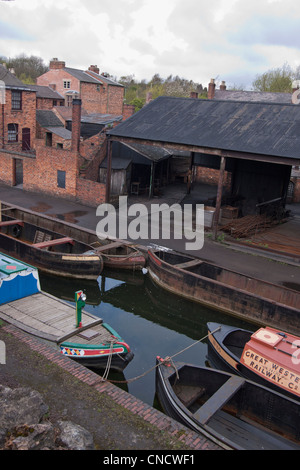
(253,96)
(61,132)
(90,77)
(46,92)
(251,127)
(11,81)
(47,118)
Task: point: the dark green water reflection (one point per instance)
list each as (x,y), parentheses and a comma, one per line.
(152,321)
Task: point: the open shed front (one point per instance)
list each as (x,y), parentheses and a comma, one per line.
(257,143)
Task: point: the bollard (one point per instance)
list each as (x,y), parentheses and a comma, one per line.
(80,299)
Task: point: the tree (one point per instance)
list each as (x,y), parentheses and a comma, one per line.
(27,68)
(276,80)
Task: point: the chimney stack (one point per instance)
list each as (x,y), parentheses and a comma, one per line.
(223,86)
(211,89)
(57,64)
(94,68)
(194,94)
(76,123)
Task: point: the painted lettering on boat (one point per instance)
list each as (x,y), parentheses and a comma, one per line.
(272,371)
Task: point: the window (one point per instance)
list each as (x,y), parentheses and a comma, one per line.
(16,100)
(69,101)
(61,179)
(12,130)
(67,84)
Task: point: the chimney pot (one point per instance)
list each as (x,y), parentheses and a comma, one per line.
(94,68)
(57,64)
(211,89)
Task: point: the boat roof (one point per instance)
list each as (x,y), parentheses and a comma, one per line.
(276,346)
(9,265)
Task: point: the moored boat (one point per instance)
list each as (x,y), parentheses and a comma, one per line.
(119,255)
(116,254)
(49,251)
(267,356)
(231,292)
(72,331)
(231,411)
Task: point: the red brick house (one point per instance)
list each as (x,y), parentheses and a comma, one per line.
(46,97)
(98,93)
(17,120)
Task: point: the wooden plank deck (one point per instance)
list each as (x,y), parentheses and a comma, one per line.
(49,318)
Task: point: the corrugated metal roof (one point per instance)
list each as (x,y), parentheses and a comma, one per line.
(151,152)
(251,127)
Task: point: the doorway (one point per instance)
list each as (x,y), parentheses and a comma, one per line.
(18,172)
(25,139)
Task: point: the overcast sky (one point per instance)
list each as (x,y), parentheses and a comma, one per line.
(231,40)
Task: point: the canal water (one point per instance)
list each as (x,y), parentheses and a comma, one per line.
(151,320)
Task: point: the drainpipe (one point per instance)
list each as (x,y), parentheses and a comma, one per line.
(3,127)
(108,172)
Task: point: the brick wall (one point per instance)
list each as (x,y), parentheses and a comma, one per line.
(6,168)
(24,118)
(115,96)
(93,98)
(57,77)
(296,194)
(211,176)
(41,174)
(90,192)
(96,98)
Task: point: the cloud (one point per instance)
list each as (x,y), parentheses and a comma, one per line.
(194,39)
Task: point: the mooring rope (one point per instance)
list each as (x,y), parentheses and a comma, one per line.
(167,359)
(108,364)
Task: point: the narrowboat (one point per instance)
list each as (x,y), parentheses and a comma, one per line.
(74,332)
(268,356)
(233,293)
(116,254)
(49,251)
(233,412)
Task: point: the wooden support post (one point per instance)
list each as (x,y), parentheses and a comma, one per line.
(219,198)
(108,172)
(152,179)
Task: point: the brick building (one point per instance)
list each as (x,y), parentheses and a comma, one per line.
(98,93)
(17,119)
(46,97)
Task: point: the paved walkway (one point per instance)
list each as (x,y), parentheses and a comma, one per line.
(244,259)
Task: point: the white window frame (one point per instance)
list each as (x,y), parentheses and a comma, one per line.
(67,84)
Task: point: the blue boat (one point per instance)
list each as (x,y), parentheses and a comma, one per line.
(76,334)
(17,279)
